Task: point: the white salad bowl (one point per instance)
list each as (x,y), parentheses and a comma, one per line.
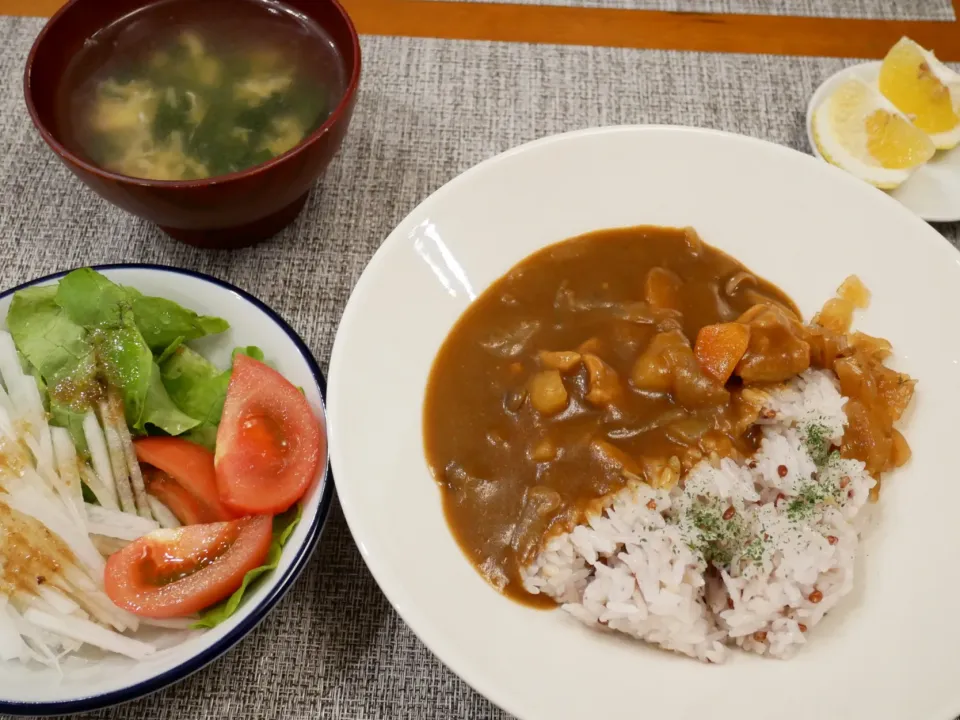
(886,652)
(89,682)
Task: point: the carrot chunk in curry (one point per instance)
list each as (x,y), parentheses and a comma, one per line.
(720,347)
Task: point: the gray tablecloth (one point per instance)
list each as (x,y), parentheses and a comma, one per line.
(863,9)
(428,109)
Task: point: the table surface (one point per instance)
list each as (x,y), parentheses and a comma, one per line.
(427,110)
(820,28)
(941,10)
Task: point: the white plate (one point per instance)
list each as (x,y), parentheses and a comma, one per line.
(933,190)
(887,653)
(86,685)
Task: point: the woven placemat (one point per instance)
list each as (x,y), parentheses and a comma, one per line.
(428,109)
(862,9)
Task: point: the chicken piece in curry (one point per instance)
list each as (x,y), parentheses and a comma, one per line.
(625,356)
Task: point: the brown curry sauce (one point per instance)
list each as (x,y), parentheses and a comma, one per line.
(576,372)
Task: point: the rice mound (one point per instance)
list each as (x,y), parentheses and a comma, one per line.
(752,555)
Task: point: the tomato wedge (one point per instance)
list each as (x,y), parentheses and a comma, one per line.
(182,503)
(176,573)
(191,467)
(269,442)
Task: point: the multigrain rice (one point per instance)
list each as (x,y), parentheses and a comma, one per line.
(751,555)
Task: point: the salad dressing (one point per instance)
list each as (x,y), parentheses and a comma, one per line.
(31,554)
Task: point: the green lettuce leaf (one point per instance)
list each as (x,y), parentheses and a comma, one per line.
(163,322)
(250,351)
(86,331)
(104,308)
(283,526)
(90,300)
(192,382)
(47,338)
(88,496)
(170,350)
(160,411)
(199,388)
(127,364)
(58,354)
(205,435)
(65,416)
(29,369)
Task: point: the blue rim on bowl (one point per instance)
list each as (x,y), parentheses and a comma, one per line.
(208,655)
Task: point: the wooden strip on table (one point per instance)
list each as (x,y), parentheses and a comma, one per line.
(767,34)
(34,8)
(782,35)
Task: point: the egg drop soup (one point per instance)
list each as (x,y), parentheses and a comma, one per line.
(187,90)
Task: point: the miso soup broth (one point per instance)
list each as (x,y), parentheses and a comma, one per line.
(185,90)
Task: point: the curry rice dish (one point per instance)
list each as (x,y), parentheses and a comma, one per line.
(632,425)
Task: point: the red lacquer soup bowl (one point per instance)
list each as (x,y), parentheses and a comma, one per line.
(230,210)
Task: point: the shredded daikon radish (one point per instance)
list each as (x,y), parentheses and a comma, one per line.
(97,445)
(163,514)
(38,419)
(22,599)
(5,401)
(27,405)
(113,524)
(31,501)
(43,463)
(41,483)
(12,646)
(6,423)
(178,623)
(95,601)
(118,460)
(88,632)
(99,490)
(56,482)
(133,466)
(13,461)
(68,466)
(68,646)
(35,640)
(107,546)
(60,602)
